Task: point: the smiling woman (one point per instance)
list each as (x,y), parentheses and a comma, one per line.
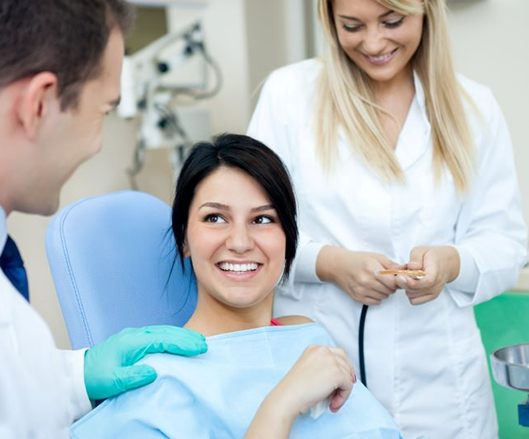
(234,215)
(378,40)
(236,244)
(239,242)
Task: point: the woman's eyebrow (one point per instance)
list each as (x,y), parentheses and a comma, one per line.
(220,206)
(263,208)
(215,205)
(385,14)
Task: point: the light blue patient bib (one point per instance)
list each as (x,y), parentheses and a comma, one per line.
(216,395)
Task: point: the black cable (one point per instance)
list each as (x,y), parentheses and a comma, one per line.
(361,359)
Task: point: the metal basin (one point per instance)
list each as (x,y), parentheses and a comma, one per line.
(510,366)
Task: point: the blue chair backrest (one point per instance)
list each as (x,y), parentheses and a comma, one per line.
(112,258)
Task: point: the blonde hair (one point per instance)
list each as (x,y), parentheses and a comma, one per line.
(345,100)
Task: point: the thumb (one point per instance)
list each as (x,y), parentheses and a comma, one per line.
(386,262)
(132,377)
(338,400)
(417,258)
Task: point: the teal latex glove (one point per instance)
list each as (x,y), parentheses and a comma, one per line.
(109,366)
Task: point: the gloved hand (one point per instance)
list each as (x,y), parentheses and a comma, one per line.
(109,366)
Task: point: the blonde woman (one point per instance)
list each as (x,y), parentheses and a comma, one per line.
(398,163)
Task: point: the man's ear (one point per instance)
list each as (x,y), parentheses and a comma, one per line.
(39,95)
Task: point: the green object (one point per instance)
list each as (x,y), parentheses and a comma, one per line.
(504,321)
(109,366)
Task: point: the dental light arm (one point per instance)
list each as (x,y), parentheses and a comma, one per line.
(174,66)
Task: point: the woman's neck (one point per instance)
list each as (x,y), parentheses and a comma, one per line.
(395,98)
(212,317)
(398,86)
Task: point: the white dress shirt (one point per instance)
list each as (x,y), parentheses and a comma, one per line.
(42,388)
(425,363)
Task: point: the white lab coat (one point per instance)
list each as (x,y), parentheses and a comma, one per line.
(42,388)
(425,363)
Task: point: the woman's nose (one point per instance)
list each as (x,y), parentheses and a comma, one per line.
(239,240)
(373,41)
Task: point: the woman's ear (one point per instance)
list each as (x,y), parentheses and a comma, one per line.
(39,96)
(186,248)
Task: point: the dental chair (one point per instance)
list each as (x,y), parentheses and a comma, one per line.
(114,264)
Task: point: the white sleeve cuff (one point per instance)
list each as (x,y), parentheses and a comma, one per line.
(305,268)
(78,397)
(468,278)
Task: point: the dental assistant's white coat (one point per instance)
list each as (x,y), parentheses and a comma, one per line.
(425,363)
(42,388)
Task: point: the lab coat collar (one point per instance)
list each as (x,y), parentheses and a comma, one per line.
(414,139)
(419,91)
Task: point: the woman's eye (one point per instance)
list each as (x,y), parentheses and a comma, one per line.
(214,218)
(392,24)
(351,27)
(263,219)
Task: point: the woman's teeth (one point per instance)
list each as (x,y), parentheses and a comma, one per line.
(226,266)
(381,58)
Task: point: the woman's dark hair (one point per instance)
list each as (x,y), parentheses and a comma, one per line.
(252,157)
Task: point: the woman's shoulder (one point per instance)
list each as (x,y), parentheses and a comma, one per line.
(481,99)
(293,320)
(289,89)
(480,93)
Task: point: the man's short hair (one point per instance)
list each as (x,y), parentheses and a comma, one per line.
(64,37)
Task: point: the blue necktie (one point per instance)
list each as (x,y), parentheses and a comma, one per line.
(12,265)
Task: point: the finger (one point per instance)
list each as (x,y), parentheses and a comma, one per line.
(380,290)
(342,393)
(347,368)
(422,299)
(131,377)
(410,284)
(401,281)
(373,295)
(416,258)
(367,296)
(345,385)
(338,399)
(173,340)
(388,282)
(342,361)
(339,352)
(388,263)
(412,294)
(365,300)
(169,330)
(415,265)
(177,345)
(384,284)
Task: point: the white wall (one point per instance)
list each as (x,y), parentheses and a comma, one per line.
(249,39)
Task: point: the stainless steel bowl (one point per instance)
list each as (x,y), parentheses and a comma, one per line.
(510,366)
